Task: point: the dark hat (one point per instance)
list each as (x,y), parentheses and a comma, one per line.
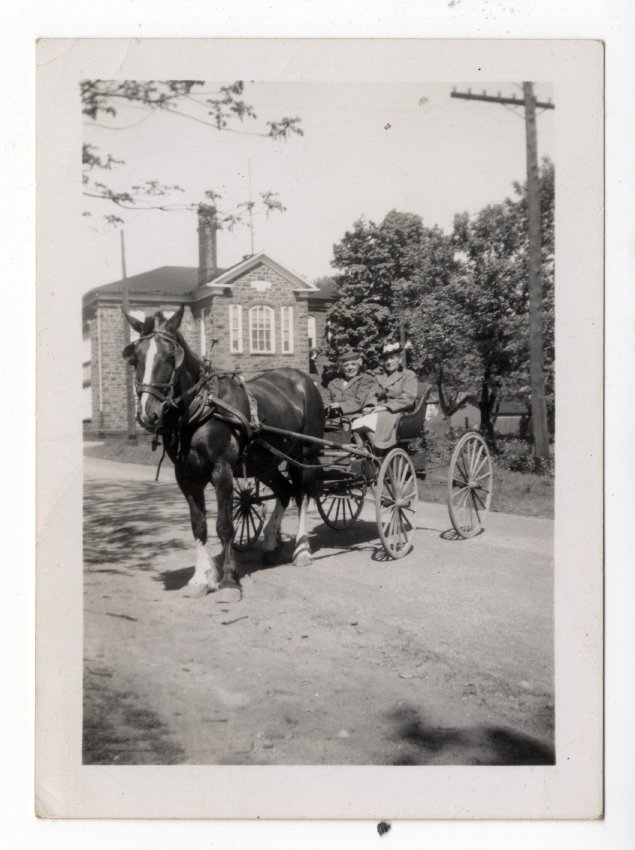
(348,354)
(391,348)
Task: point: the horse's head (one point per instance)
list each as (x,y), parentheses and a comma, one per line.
(156,357)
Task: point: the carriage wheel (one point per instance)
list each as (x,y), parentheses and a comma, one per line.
(340,510)
(396,503)
(248,512)
(470,484)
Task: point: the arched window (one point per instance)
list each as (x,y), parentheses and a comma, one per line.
(262,330)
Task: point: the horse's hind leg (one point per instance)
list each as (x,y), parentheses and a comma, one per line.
(272,539)
(303,484)
(223,481)
(205,574)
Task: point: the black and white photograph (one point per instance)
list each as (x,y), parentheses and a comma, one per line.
(320,324)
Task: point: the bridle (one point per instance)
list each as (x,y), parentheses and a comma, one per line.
(163,392)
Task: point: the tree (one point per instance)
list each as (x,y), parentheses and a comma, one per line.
(223,111)
(472,330)
(381,269)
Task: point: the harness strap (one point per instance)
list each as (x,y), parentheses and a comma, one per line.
(253,404)
(277,453)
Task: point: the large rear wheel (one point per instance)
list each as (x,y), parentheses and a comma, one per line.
(396,503)
(470,484)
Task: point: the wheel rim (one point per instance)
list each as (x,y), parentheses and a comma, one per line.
(396,503)
(470,485)
(340,510)
(248,513)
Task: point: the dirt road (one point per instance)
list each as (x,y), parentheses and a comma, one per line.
(444,657)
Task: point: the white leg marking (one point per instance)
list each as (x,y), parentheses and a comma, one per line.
(205,576)
(302,552)
(271,534)
(147,376)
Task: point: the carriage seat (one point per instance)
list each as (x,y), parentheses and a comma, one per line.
(410,425)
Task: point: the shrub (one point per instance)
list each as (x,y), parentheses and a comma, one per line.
(518,456)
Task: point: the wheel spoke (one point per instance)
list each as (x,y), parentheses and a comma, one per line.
(477,454)
(483,463)
(460,463)
(459,496)
(475,506)
(475,496)
(410,494)
(405,520)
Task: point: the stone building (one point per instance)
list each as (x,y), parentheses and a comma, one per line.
(256,315)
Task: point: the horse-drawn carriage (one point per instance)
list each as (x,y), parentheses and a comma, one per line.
(351,470)
(240,435)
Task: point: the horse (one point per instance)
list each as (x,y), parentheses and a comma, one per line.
(205,420)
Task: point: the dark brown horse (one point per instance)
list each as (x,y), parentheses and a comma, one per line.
(204,419)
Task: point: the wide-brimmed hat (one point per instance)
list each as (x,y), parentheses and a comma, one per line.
(347,354)
(391,348)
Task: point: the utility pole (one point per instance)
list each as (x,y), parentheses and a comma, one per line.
(126,338)
(536,342)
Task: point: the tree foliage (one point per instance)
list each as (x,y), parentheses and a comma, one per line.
(379,276)
(461,299)
(473,332)
(224,110)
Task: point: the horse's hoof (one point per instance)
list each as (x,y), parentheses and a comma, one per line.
(195,591)
(269,558)
(232,593)
(302,559)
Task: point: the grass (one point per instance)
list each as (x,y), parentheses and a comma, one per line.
(123,450)
(521,493)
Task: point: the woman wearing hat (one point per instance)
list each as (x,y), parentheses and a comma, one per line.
(348,393)
(396,393)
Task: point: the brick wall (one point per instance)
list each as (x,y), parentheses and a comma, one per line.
(106,330)
(279,294)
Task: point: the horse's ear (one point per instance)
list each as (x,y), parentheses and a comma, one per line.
(129,354)
(134,323)
(174,321)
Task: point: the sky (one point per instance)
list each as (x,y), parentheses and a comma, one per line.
(367,148)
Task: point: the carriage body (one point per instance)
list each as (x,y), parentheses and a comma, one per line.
(351,469)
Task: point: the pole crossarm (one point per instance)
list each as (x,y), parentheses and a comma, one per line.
(513,100)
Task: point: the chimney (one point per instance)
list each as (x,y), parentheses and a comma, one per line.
(207,258)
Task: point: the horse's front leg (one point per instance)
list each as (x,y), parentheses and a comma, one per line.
(205,576)
(229,589)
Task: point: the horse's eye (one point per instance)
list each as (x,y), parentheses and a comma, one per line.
(130,354)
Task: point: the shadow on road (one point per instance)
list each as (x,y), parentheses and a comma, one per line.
(492,745)
(127,525)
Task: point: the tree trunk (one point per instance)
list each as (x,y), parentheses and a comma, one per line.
(486,406)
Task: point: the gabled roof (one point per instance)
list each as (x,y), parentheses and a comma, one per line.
(231,274)
(170,283)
